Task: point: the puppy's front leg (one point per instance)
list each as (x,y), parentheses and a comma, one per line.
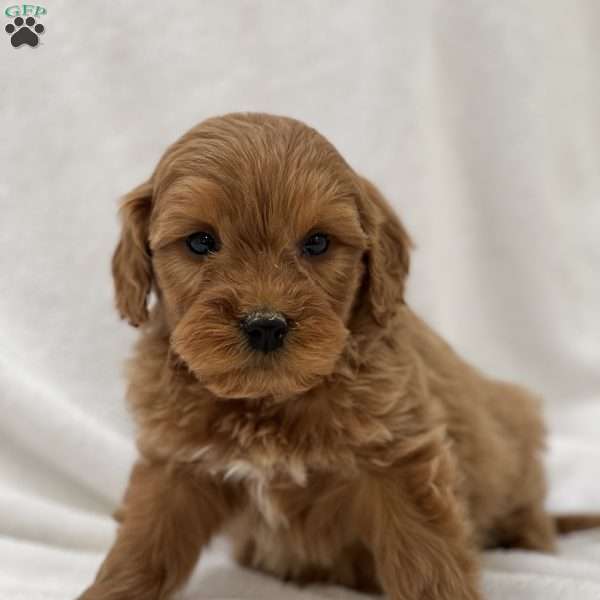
(170,513)
(418,535)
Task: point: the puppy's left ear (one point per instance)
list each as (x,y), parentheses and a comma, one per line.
(131,263)
(388,254)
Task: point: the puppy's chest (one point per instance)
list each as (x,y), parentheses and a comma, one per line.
(269,488)
(280,473)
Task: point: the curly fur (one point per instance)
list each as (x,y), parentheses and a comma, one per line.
(365,452)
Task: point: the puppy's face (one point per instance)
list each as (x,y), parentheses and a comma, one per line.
(258,235)
(257,283)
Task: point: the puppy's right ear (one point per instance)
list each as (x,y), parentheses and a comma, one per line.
(131,264)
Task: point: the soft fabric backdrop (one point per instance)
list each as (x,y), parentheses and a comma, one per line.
(479,120)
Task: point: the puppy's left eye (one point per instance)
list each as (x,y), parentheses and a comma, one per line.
(315,244)
(201,243)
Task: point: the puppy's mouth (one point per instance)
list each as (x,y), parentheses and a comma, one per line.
(259,382)
(265,355)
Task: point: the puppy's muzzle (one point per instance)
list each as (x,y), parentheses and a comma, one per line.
(265,331)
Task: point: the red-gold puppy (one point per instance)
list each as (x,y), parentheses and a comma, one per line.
(285,394)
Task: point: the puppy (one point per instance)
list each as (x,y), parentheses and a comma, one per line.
(285,394)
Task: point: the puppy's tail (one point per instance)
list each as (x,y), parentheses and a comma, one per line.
(569,523)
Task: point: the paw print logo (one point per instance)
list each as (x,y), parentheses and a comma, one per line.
(24,32)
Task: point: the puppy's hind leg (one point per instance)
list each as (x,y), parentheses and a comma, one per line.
(528,527)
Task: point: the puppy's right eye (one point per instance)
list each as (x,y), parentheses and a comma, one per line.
(202,243)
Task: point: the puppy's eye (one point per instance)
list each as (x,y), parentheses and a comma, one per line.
(315,244)
(201,243)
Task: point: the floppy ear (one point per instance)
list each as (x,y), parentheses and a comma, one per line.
(388,254)
(131,265)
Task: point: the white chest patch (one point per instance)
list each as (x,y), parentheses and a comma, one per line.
(257,478)
(258,484)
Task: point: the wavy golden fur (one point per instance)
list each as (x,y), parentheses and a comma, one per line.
(363,452)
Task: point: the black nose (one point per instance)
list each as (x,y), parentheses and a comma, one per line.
(265,330)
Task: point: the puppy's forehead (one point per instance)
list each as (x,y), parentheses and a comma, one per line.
(256,174)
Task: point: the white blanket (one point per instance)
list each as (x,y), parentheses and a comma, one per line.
(479,120)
